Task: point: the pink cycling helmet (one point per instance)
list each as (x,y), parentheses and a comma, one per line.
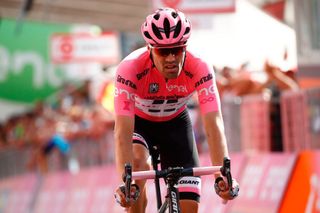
(166,27)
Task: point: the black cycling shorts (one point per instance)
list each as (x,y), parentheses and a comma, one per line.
(176,144)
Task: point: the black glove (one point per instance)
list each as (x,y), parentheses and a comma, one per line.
(224,191)
(120,195)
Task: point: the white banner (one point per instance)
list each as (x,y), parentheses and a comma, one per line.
(198,6)
(84,48)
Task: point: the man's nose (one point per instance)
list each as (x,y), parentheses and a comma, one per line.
(171,57)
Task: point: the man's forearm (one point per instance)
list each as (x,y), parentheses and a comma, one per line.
(123,142)
(216,138)
(123,155)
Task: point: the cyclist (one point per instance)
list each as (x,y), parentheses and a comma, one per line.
(152,87)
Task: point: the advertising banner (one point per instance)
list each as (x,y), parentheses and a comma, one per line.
(81,48)
(303,193)
(263,183)
(54,193)
(26,73)
(197,6)
(17,194)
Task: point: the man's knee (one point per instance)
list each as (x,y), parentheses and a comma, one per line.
(140,164)
(189,206)
(140,158)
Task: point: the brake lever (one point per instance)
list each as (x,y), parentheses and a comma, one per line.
(127,179)
(226,172)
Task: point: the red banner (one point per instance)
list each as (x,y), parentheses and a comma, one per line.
(303,194)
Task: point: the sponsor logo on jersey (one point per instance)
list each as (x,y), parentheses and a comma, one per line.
(174,97)
(204,79)
(143,73)
(178,88)
(189,74)
(207,91)
(129,96)
(124,81)
(153,88)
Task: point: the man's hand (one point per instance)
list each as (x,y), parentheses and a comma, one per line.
(222,189)
(121,198)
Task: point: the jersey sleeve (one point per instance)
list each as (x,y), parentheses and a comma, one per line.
(125,89)
(208,95)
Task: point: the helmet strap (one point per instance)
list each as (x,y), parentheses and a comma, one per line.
(151,57)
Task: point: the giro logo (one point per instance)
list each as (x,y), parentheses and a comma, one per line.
(181,88)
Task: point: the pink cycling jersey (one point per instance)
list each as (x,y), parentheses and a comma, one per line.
(141,90)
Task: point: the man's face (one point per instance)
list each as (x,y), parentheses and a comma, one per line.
(169,61)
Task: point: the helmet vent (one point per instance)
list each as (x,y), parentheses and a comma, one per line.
(156,16)
(174,14)
(156,31)
(177,30)
(187,30)
(146,34)
(166,27)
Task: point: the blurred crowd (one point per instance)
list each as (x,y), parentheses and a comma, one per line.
(240,81)
(56,125)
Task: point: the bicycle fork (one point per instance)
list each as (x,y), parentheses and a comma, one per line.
(172,199)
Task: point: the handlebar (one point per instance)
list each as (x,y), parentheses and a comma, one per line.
(178,172)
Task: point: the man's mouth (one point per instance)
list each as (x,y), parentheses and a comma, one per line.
(171,67)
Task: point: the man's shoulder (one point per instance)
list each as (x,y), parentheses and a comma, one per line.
(194,62)
(136,60)
(137,55)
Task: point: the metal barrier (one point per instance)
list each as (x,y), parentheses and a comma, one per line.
(294,121)
(13,161)
(247,123)
(231,107)
(313,109)
(301,119)
(255,123)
